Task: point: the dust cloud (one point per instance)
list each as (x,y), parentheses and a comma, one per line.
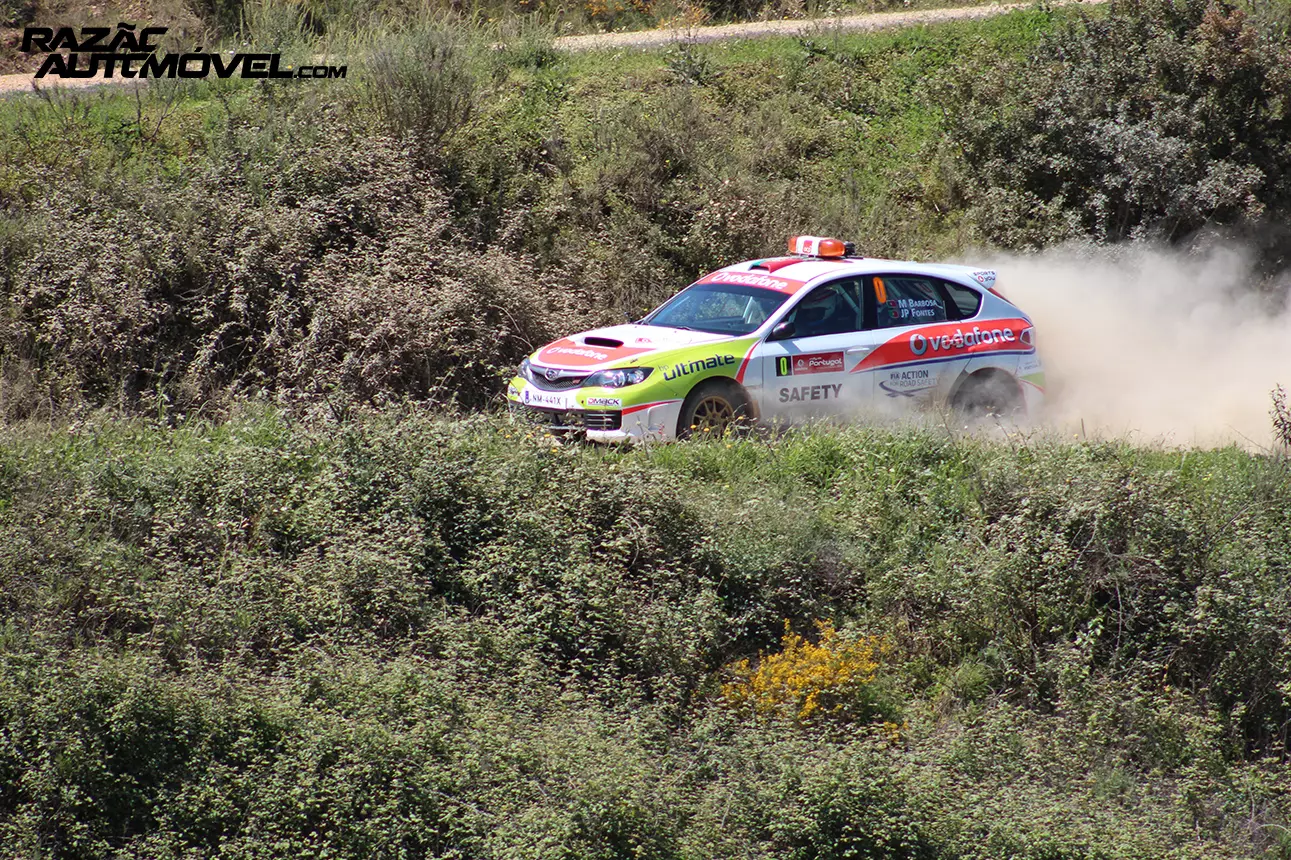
(1155,344)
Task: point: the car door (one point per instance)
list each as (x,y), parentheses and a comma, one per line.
(806,360)
(904,306)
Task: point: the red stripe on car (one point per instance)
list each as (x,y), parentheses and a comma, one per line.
(950,340)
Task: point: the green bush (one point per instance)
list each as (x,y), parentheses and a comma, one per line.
(1155,119)
(420,82)
(341,271)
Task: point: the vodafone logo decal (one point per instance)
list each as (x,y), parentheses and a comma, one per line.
(748,279)
(583,351)
(959,339)
(951,340)
(568,352)
(756,281)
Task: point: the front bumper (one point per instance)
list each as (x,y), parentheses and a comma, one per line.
(571,420)
(578,412)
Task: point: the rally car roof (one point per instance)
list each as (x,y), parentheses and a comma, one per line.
(807,269)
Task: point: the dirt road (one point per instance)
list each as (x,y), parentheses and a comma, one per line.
(752,30)
(10,84)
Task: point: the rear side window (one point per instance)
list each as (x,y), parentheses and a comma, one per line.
(966,302)
(907,300)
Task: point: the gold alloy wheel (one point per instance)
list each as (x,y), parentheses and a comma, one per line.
(713,415)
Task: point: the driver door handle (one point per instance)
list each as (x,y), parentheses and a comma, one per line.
(859,350)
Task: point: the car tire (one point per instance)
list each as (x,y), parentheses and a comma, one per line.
(713,408)
(989,394)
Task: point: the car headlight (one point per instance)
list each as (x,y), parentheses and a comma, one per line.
(524,371)
(618,378)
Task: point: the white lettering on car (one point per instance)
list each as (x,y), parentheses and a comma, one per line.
(810,392)
(908,382)
(919,344)
(686,368)
(585,353)
(821,362)
(754,280)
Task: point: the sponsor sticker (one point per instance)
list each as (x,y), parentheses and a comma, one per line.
(819,362)
(908,382)
(752,279)
(583,352)
(688,367)
(903,392)
(910,377)
(568,352)
(950,341)
(959,339)
(605,401)
(810,392)
(755,280)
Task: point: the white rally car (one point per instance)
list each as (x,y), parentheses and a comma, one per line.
(818,333)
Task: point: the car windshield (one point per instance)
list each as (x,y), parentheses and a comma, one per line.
(718,308)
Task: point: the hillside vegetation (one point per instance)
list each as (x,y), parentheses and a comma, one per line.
(277,580)
(405,637)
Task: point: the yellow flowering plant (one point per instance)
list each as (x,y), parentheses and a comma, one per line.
(831,676)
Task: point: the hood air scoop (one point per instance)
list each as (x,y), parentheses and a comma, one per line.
(603,341)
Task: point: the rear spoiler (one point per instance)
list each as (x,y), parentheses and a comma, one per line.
(984,278)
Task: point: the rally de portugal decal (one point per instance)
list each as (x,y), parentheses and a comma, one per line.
(797,365)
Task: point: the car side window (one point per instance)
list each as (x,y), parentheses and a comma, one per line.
(832,308)
(901,300)
(966,303)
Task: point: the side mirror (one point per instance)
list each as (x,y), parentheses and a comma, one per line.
(782,331)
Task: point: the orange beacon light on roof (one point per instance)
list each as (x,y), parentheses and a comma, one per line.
(817,246)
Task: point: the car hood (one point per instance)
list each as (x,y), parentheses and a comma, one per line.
(618,345)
